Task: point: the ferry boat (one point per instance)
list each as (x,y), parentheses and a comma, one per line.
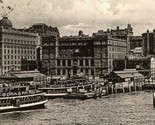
(61,88)
(20,96)
(80,88)
(92,90)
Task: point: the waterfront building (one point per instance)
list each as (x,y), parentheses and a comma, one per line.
(67,55)
(126,79)
(74,54)
(125,34)
(145,65)
(15,45)
(43,30)
(149,43)
(106,49)
(33,76)
(136,41)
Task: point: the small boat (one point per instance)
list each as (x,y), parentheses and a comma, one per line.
(19,96)
(92,90)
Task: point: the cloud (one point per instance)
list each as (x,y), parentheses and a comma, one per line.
(70,16)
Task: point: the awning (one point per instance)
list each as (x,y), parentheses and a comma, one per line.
(125,75)
(28,75)
(138,75)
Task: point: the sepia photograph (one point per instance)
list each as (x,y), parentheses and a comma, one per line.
(77,62)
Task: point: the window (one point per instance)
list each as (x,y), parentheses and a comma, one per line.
(81,62)
(58,72)
(86,63)
(63,62)
(58,62)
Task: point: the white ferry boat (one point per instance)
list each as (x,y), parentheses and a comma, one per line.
(80,88)
(20,96)
(61,88)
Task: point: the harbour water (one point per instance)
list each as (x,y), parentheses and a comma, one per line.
(120,109)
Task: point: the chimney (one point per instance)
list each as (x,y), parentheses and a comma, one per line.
(117,27)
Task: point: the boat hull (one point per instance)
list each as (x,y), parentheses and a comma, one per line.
(81,96)
(30,106)
(53,96)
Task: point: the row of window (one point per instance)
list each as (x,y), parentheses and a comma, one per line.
(19,51)
(115,55)
(117,49)
(9,68)
(117,43)
(17,57)
(70,63)
(19,41)
(19,47)
(11,62)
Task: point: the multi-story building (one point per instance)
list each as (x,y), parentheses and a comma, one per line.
(15,45)
(91,55)
(136,41)
(149,43)
(43,30)
(125,34)
(67,55)
(106,49)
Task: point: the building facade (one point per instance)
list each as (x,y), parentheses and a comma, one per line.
(136,41)
(149,43)
(125,34)
(106,49)
(15,45)
(93,56)
(43,30)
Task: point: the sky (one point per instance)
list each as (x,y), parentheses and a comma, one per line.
(70,16)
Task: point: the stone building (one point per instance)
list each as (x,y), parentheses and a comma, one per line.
(15,45)
(149,43)
(43,30)
(106,49)
(125,34)
(74,54)
(136,41)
